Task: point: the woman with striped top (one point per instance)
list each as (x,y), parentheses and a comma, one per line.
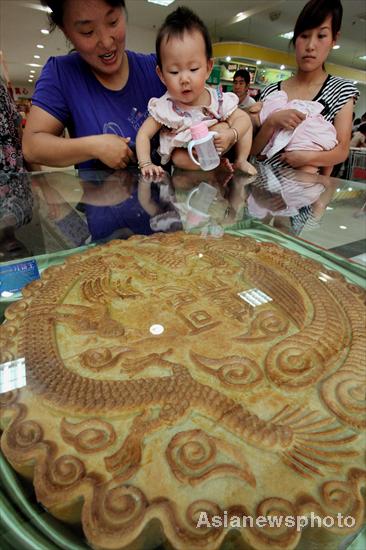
(316,32)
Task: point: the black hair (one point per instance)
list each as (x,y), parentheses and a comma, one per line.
(180,20)
(56,17)
(357,121)
(362,128)
(243,73)
(314,14)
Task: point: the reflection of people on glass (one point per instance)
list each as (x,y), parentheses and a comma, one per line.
(230,200)
(99,92)
(16,210)
(113,209)
(316,32)
(57,202)
(184,55)
(290,203)
(160,206)
(102,207)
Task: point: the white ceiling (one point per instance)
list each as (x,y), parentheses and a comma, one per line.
(21,21)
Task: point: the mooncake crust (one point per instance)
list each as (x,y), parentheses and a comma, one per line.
(155,391)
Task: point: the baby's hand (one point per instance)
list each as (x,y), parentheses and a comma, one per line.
(151,170)
(224,140)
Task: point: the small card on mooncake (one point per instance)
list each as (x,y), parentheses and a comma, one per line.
(14,276)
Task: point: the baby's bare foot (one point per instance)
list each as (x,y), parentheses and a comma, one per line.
(245,166)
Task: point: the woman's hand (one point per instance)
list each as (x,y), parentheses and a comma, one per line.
(296,159)
(113,151)
(287,119)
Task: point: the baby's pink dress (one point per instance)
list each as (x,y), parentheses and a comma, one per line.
(314,133)
(177,122)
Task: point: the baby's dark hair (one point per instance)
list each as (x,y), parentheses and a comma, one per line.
(362,128)
(180,20)
(56,17)
(314,14)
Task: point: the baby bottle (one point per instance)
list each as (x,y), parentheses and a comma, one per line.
(202,141)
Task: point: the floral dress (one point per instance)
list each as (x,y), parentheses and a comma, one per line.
(11,157)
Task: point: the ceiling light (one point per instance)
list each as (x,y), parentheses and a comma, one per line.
(29,80)
(240,17)
(287,35)
(37,7)
(282,67)
(228,58)
(342,227)
(32,71)
(336,47)
(37,56)
(33,65)
(45,31)
(161,2)
(259,62)
(363,57)
(40,46)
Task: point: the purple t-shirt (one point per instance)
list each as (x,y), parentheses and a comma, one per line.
(68,90)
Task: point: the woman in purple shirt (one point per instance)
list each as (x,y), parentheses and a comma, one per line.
(99,92)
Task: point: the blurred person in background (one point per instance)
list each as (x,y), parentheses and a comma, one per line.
(359,137)
(241,83)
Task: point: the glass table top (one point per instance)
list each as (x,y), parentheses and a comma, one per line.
(48,212)
(51,215)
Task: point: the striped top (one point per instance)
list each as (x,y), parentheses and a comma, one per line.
(334,94)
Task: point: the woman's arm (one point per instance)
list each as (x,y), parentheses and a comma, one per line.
(42,144)
(143,147)
(343,126)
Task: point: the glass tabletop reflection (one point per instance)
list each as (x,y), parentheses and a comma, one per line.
(47,212)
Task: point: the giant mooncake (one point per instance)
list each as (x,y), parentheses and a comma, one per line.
(175,381)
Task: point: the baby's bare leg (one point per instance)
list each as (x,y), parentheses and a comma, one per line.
(181,159)
(243,147)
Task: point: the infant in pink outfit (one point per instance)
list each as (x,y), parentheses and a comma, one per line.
(176,123)
(314,133)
